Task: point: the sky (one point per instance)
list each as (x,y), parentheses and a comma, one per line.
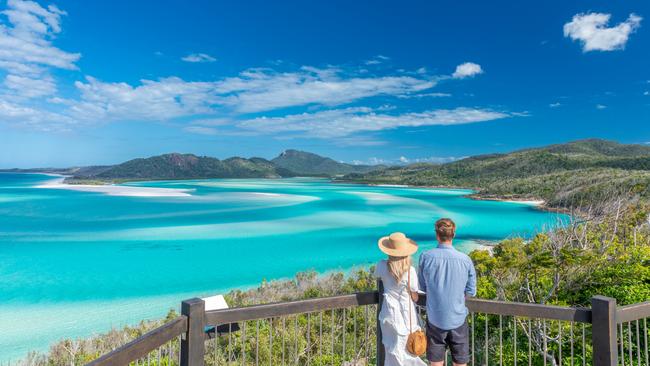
(101,82)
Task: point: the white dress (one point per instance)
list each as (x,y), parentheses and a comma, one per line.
(393,317)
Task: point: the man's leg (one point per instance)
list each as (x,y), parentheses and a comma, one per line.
(436,345)
(459,345)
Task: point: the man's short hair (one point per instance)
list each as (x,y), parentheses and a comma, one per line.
(446,229)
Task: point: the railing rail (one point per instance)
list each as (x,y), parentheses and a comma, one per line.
(143,345)
(255,312)
(633,312)
(603,321)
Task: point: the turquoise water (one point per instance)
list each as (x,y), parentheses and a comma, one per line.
(76,263)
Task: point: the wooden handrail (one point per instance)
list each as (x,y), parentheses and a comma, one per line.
(628,313)
(536,311)
(144,344)
(495,307)
(289,308)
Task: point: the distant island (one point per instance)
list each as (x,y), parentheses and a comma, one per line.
(290,163)
(573,174)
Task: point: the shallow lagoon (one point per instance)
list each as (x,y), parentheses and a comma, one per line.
(74,263)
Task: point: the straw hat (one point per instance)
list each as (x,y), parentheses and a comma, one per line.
(397,245)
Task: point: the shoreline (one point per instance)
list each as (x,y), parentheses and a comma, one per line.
(536,203)
(114,190)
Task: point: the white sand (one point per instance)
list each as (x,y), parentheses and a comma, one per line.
(115,190)
(531,202)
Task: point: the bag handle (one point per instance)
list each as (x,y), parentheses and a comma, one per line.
(408,294)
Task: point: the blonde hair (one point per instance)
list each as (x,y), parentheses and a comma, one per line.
(446,229)
(397,266)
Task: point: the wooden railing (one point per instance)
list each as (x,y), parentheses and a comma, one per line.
(534,333)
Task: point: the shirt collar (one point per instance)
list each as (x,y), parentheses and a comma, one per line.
(445,246)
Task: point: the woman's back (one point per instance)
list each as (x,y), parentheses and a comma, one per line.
(392,287)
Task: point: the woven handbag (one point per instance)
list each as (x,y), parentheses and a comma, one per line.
(416,344)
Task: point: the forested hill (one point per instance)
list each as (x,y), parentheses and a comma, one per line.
(186,166)
(305,163)
(290,163)
(570,174)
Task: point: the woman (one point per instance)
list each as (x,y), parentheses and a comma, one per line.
(395,312)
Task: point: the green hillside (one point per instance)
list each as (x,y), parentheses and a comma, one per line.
(571,174)
(186,166)
(305,163)
(290,163)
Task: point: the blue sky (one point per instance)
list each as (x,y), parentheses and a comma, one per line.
(369,81)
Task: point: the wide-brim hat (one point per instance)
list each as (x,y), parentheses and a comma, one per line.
(397,245)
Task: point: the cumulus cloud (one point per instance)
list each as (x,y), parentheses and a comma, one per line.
(25,42)
(198,57)
(467,69)
(33,117)
(163,99)
(600,106)
(592,31)
(555,105)
(29,87)
(347,121)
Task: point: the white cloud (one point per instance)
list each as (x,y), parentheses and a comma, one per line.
(152,100)
(377,60)
(253,90)
(646,93)
(555,105)
(28,87)
(25,43)
(467,69)
(343,122)
(592,31)
(32,118)
(425,95)
(600,106)
(198,57)
(259,90)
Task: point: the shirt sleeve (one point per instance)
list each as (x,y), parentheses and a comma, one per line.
(470,288)
(414,280)
(422,283)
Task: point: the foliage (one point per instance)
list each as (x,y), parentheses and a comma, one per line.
(575,174)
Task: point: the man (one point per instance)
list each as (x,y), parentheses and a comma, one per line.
(447,276)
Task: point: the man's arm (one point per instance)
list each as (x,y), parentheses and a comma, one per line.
(470,288)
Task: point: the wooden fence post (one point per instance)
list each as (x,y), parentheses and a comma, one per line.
(192,345)
(381,355)
(603,331)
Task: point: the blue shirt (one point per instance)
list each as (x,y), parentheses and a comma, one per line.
(446,276)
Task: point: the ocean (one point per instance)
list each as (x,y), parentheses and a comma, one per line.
(77,262)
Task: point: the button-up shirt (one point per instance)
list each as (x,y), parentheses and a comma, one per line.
(446,276)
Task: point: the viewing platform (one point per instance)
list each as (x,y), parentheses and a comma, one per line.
(343,330)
